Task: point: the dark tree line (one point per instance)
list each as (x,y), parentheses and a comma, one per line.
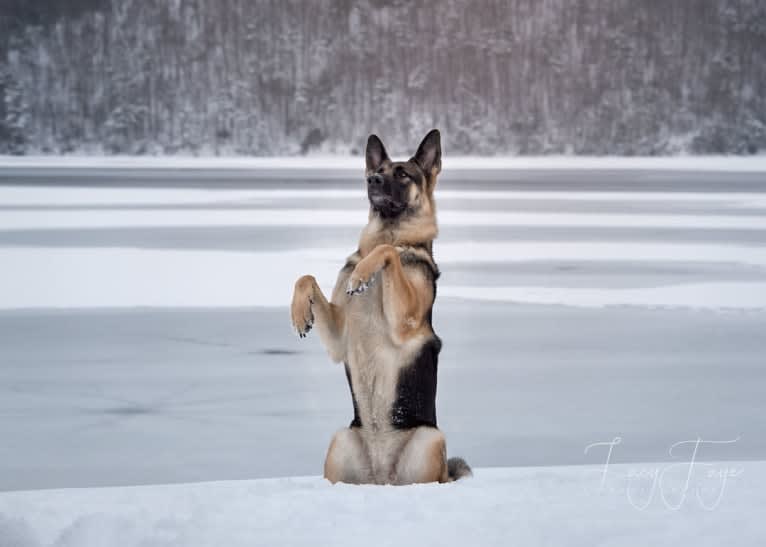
(288,76)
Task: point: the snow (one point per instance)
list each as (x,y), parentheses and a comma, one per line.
(45,277)
(741,296)
(38,196)
(628,251)
(623,505)
(123,276)
(18,220)
(742,164)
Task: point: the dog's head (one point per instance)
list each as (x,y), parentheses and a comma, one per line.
(396,187)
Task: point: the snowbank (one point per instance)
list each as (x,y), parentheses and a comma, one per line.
(674,163)
(714,504)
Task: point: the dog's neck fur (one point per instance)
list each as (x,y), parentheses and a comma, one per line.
(414,230)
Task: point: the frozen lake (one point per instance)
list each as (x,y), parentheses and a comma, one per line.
(144,333)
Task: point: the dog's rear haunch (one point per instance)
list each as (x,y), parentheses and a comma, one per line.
(378,324)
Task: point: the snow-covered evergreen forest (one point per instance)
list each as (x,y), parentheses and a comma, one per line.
(272,77)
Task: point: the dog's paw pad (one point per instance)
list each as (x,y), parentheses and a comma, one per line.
(303,321)
(302,332)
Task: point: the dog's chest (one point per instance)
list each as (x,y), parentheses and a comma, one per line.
(374,360)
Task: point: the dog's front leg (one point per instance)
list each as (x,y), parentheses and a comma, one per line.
(404,299)
(310,309)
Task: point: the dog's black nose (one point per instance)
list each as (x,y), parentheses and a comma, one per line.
(374,179)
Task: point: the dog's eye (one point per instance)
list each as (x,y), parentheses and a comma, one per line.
(402,174)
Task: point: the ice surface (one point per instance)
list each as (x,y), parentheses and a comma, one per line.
(44,277)
(681,163)
(170,357)
(711,505)
(699,295)
(120,218)
(126,277)
(41,196)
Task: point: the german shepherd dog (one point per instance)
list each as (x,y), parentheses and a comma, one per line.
(378,324)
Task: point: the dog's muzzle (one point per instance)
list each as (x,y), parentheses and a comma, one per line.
(380,193)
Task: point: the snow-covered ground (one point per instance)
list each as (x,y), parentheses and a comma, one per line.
(144,339)
(651,504)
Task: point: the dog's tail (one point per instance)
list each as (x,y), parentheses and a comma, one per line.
(457,468)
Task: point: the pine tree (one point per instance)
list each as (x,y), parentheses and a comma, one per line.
(15,117)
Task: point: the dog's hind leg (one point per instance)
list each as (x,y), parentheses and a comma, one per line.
(310,308)
(423,458)
(346,459)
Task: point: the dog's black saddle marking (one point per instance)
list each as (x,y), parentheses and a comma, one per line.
(420,255)
(415,403)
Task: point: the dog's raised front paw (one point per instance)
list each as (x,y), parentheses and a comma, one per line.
(301,314)
(303,328)
(357,284)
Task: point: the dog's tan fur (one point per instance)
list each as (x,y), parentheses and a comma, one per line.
(376,331)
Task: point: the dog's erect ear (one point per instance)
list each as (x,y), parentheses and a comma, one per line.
(375,155)
(429,154)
